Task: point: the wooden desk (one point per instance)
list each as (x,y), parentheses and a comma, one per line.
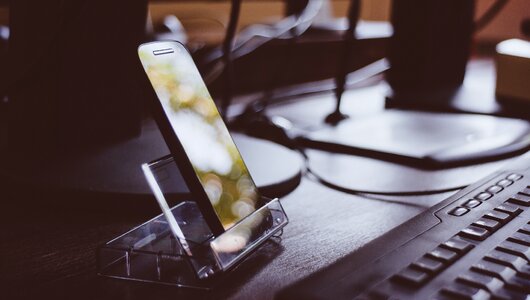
(49,252)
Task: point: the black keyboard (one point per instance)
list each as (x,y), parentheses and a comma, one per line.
(473,245)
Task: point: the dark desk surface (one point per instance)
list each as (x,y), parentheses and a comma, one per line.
(50,251)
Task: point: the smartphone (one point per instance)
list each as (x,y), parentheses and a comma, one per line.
(197,137)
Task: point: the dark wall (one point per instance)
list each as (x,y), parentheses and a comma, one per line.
(74,72)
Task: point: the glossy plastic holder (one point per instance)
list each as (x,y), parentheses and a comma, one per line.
(177,247)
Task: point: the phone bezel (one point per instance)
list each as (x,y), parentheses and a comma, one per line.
(179,154)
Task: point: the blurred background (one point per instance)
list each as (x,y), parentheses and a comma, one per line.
(74,82)
(204,20)
(203,25)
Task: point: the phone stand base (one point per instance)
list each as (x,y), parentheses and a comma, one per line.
(193,258)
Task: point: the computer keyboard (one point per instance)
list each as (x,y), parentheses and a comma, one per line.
(473,245)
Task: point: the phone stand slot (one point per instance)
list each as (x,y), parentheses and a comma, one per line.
(178,248)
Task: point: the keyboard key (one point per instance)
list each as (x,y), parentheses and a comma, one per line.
(461,291)
(525,229)
(494,269)
(472,203)
(520,199)
(457,245)
(458,211)
(483,196)
(520,238)
(506,259)
(514,177)
(498,216)
(488,224)
(507,294)
(510,209)
(481,281)
(428,265)
(515,249)
(505,183)
(474,233)
(495,189)
(524,271)
(443,255)
(411,277)
(519,283)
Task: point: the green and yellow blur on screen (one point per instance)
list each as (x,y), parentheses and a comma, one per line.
(202,132)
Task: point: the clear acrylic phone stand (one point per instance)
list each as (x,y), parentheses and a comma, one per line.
(177,247)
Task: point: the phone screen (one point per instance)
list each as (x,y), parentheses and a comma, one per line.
(201,131)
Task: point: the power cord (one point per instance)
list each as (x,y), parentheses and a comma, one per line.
(490,14)
(391,193)
(328,184)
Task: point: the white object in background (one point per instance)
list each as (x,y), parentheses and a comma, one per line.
(513,70)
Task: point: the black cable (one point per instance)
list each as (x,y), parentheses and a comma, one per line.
(525,27)
(490,14)
(307,171)
(399,200)
(284,61)
(349,40)
(227,46)
(255,36)
(391,193)
(265,128)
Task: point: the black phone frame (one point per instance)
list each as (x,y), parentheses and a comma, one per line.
(179,153)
